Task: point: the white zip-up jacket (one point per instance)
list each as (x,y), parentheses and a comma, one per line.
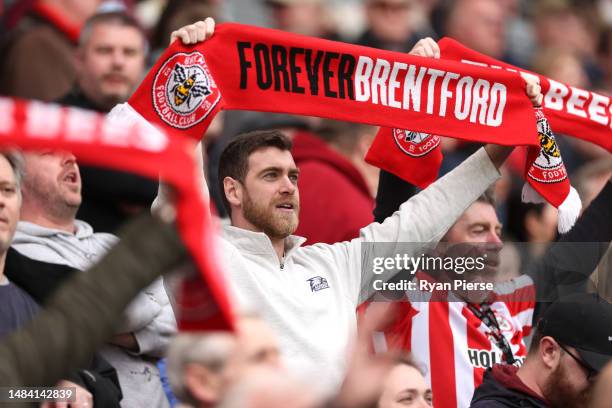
(310,297)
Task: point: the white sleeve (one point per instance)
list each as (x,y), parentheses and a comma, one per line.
(154,337)
(422,220)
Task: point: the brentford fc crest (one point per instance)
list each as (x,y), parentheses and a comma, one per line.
(184,92)
(548,167)
(415,144)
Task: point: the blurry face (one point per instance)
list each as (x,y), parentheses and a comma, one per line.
(405,387)
(253,348)
(569,69)
(258,343)
(301,18)
(52,181)
(270,199)
(111,63)
(480,25)
(10,204)
(390,19)
(567,386)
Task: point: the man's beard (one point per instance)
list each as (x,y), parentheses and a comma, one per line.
(560,393)
(54,201)
(264,218)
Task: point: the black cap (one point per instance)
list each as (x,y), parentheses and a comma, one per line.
(584,322)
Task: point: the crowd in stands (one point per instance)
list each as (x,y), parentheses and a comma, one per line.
(83,303)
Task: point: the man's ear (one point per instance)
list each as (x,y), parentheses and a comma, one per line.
(203,384)
(550,352)
(233,191)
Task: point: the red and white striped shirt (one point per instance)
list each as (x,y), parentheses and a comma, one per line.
(453,345)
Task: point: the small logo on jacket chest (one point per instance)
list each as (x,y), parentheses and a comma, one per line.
(318,283)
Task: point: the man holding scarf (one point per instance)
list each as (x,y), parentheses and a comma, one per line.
(309,294)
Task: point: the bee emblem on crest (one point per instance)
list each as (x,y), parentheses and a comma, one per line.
(184,92)
(187,87)
(549,151)
(548,143)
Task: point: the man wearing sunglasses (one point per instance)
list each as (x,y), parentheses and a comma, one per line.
(572,343)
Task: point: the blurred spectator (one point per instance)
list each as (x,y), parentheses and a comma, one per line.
(520,35)
(569,349)
(38,55)
(572,27)
(110,64)
(591,178)
(562,25)
(201,367)
(390,25)
(306,17)
(177,14)
(267,388)
(49,232)
(604,54)
(405,386)
(336,210)
(17,307)
(561,65)
(478,24)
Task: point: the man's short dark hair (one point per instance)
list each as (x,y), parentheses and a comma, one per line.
(534,346)
(234,161)
(119,18)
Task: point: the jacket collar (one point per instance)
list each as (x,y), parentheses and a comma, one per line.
(25,228)
(258,242)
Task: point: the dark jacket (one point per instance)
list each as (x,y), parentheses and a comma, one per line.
(110,197)
(40,280)
(501,388)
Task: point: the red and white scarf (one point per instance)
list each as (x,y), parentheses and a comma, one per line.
(569,110)
(250,68)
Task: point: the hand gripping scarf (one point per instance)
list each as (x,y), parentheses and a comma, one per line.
(140,149)
(250,68)
(575,112)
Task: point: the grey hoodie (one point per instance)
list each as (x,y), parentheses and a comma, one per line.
(149,316)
